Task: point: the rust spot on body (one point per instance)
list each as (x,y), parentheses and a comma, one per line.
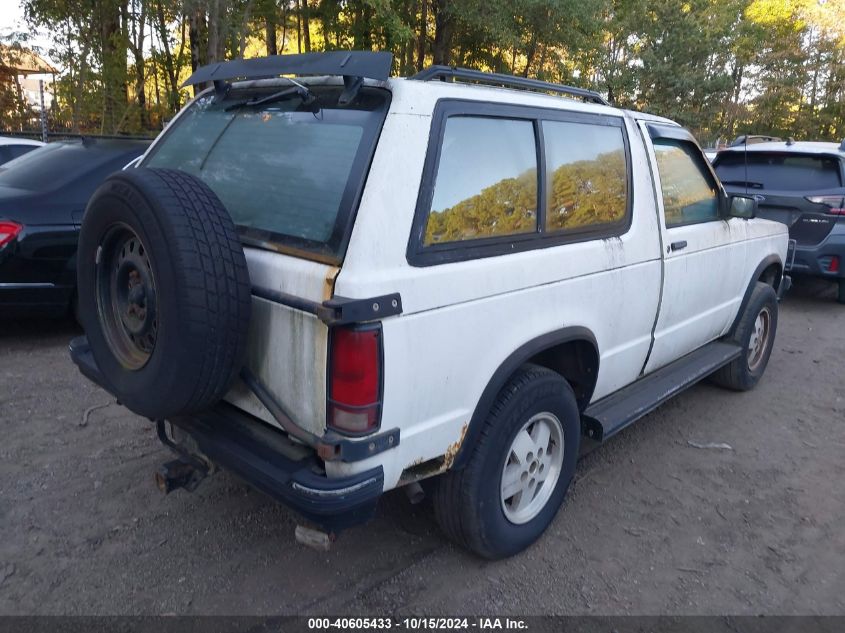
(423,469)
(454,449)
(328,282)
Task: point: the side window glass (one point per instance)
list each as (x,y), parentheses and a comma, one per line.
(689,193)
(486,182)
(587,178)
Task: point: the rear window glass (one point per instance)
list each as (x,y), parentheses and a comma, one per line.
(287,172)
(47,166)
(778,171)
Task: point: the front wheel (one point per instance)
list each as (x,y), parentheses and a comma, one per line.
(518,472)
(756,335)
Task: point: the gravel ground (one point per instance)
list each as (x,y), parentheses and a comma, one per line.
(652,524)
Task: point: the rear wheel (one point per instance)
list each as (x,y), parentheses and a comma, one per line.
(519,470)
(756,335)
(841,296)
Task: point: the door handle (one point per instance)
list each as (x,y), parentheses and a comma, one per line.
(676,246)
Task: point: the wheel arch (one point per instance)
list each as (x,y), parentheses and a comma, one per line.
(572,352)
(769,271)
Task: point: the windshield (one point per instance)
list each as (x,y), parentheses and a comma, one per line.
(289,170)
(778,171)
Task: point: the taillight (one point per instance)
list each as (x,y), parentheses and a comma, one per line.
(8,232)
(835,204)
(833,265)
(355,379)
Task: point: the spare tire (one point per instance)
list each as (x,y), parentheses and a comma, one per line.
(164,291)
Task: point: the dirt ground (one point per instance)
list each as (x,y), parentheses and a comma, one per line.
(652,524)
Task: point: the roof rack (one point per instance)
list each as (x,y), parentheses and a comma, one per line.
(508,81)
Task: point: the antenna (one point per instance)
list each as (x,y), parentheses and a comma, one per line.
(745,154)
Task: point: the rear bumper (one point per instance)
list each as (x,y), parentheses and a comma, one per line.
(815,260)
(265,458)
(34,299)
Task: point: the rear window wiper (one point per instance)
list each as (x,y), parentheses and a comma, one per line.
(296,90)
(743,183)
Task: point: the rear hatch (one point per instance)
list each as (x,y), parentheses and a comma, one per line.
(785,184)
(289,163)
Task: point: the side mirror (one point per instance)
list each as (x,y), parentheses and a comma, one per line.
(742,207)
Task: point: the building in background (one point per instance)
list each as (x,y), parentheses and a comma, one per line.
(22,72)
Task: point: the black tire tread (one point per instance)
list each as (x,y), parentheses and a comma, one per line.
(214,298)
(734,376)
(452,495)
(209,271)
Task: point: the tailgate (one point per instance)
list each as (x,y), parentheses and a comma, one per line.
(287,348)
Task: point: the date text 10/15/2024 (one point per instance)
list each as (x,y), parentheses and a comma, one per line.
(419,623)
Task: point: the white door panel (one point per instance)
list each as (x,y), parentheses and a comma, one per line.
(703,256)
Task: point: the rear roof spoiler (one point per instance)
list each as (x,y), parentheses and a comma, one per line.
(356,65)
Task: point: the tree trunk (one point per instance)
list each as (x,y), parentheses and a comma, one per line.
(214,20)
(298,26)
(198,36)
(270,24)
(444,28)
(169,65)
(139,26)
(244,29)
(113,62)
(306,26)
(423,34)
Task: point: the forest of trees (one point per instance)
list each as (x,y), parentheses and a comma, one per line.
(721,67)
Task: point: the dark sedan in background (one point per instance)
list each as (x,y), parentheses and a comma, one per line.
(801,184)
(12,147)
(42,198)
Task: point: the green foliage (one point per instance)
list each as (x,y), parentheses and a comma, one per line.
(720,67)
(505,208)
(588,192)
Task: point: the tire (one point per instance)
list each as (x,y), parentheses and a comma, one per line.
(164,291)
(745,372)
(469,504)
(840,297)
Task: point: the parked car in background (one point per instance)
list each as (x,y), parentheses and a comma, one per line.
(12,147)
(42,198)
(801,184)
(337,286)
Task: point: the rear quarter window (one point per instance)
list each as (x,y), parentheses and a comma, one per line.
(486,183)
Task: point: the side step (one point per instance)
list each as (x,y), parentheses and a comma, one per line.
(610,415)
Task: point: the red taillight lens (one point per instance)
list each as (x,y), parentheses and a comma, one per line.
(355,379)
(833,266)
(835,204)
(8,232)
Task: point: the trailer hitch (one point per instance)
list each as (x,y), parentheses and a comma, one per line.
(180,473)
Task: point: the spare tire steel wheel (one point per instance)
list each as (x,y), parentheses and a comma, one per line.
(164,291)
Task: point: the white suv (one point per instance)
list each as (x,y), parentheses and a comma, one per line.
(344,283)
